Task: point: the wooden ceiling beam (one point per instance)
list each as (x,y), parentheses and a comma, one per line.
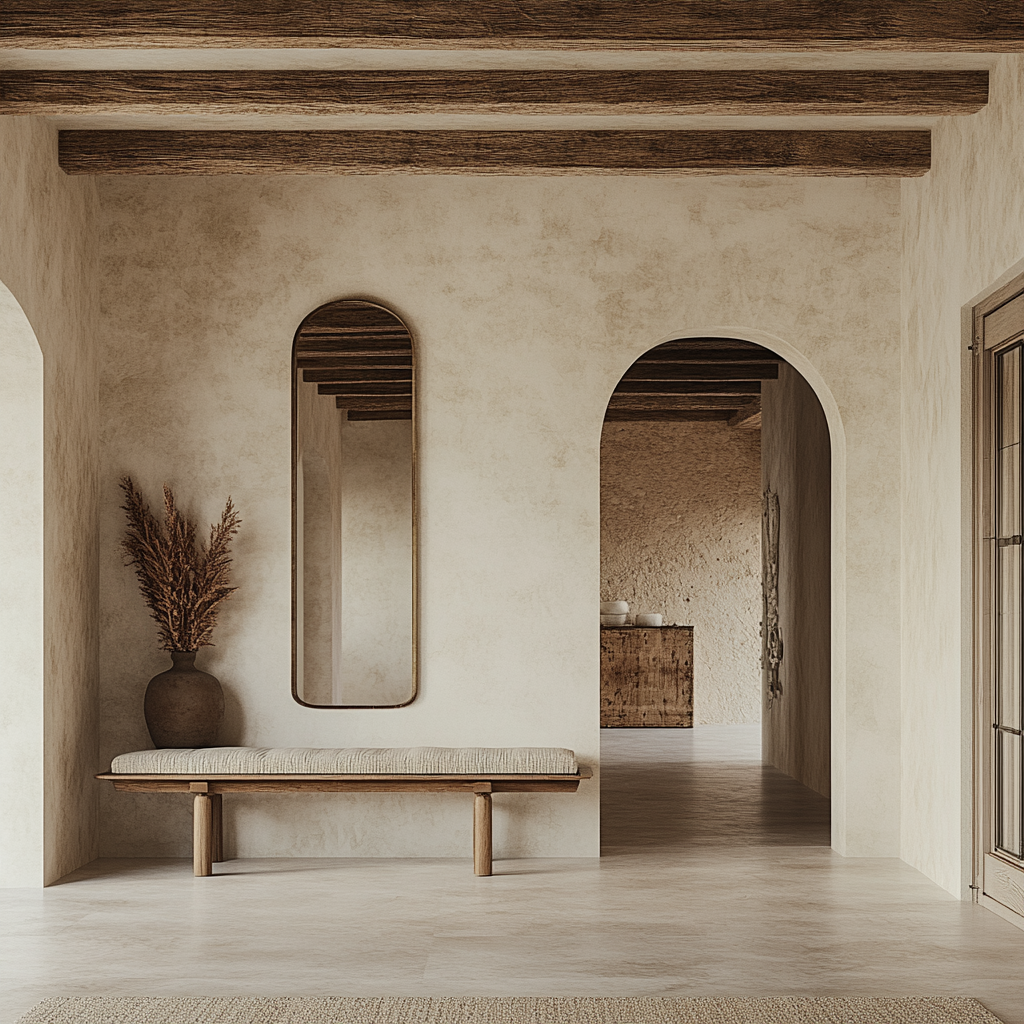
(843,153)
(706,358)
(496,91)
(702,371)
(968,25)
(324,355)
(344,375)
(740,388)
(666,415)
(395,403)
(368,361)
(380,414)
(640,403)
(384,388)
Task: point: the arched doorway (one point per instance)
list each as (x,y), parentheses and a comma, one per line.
(717,513)
(21,597)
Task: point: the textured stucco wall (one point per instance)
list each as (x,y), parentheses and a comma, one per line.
(47,261)
(681,535)
(528,299)
(796,465)
(963,229)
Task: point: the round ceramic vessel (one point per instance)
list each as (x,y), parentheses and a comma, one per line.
(184,706)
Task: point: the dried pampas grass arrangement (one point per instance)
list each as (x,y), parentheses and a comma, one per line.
(182,582)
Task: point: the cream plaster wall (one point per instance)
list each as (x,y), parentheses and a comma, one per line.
(47,261)
(796,465)
(528,299)
(963,231)
(681,535)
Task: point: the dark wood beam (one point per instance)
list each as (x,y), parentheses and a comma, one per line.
(362,390)
(666,415)
(640,403)
(979,25)
(392,414)
(324,354)
(396,403)
(740,388)
(514,92)
(353,376)
(656,357)
(899,153)
(364,360)
(641,370)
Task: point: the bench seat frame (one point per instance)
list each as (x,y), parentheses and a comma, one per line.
(208,792)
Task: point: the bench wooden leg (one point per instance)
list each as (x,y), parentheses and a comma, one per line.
(481,833)
(202,835)
(217,853)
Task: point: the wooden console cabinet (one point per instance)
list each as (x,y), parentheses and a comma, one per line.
(647,677)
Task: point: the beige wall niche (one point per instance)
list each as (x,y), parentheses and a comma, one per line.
(48,270)
(796,465)
(681,535)
(529,298)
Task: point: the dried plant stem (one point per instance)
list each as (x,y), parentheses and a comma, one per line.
(182,582)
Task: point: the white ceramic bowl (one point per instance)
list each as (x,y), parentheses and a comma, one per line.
(648,619)
(615,608)
(613,620)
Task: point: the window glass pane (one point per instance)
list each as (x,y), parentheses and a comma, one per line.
(1008,704)
(1009,490)
(1008,793)
(1010,389)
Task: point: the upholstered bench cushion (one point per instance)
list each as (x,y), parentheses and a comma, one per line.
(348,761)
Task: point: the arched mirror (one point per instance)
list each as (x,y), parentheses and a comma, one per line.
(353,508)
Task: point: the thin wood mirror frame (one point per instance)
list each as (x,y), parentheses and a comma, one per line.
(364,304)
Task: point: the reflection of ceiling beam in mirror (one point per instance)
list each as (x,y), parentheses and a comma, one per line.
(380,414)
(380,403)
(344,374)
(369,360)
(401,387)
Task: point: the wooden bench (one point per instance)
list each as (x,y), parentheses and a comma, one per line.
(208,789)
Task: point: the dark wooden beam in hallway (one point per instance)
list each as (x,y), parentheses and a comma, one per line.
(995,25)
(654,371)
(893,153)
(515,92)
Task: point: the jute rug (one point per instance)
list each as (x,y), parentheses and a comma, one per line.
(511,1010)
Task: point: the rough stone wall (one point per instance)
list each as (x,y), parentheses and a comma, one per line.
(680,535)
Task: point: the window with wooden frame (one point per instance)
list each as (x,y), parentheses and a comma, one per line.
(999,599)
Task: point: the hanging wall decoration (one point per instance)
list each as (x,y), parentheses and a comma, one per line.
(771,634)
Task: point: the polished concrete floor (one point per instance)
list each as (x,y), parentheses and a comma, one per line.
(717,879)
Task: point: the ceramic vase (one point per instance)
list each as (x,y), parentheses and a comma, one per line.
(184,705)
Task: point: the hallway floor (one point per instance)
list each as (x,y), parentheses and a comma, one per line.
(717,879)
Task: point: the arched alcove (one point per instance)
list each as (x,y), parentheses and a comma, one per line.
(21,597)
(730,405)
